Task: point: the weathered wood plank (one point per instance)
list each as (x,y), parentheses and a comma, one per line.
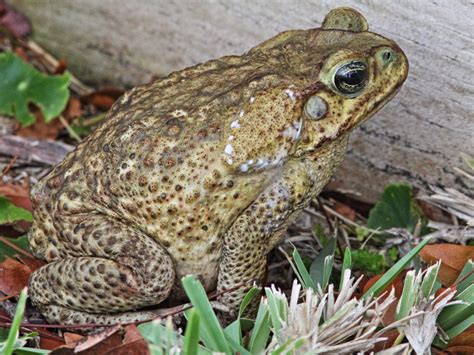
(40,151)
(417,138)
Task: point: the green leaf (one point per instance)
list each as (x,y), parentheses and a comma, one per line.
(234,332)
(346,264)
(261,329)
(391,273)
(21,84)
(211,326)
(367,261)
(317,269)
(457,313)
(249,296)
(10,213)
(429,284)
(8,346)
(407,299)
(397,209)
(301,272)
(191,336)
(466,277)
(6,250)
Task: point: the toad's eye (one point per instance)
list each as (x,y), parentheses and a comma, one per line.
(350,78)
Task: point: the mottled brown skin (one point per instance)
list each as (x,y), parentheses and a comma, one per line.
(200,173)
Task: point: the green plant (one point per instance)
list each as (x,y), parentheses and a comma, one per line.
(22,84)
(9,213)
(396,208)
(14,343)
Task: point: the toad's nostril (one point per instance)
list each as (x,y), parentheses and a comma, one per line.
(387,56)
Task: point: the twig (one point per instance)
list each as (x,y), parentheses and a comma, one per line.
(9,166)
(52,63)
(333,230)
(18,249)
(71,132)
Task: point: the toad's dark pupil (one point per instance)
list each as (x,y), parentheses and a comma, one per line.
(351,77)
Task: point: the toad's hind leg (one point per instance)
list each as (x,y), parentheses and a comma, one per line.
(117,269)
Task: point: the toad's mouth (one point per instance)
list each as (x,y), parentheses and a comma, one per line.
(379,104)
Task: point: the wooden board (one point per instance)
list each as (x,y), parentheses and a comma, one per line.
(417,138)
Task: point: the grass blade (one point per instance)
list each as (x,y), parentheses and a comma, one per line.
(191,336)
(327,270)
(302,272)
(211,326)
(346,264)
(318,266)
(261,329)
(466,277)
(399,266)
(429,281)
(249,296)
(407,299)
(15,327)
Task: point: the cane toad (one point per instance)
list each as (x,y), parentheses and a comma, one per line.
(201,172)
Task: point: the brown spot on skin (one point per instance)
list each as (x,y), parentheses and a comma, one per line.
(153,187)
(142,180)
(101,268)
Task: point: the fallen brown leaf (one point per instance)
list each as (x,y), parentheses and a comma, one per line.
(49,343)
(13,276)
(101,342)
(32,263)
(466,338)
(391,336)
(73,109)
(14,21)
(104,98)
(18,194)
(41,129)
(72,338)
(345,210)
(453,258)
(133,343)
(397,284)
(455,350)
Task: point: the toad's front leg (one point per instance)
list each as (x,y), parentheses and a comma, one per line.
(259,228)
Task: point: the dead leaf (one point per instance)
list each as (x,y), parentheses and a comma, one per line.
(344,210)
(466,338)
(73,109)
(47,342)
(453,258)
(133,343)
(455,350)
(397,284)
(32,263)
(41,129)
(18,194)
(14,21)
(391,336)
(72,338)
(101,342)
(104,98)
(13,276)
